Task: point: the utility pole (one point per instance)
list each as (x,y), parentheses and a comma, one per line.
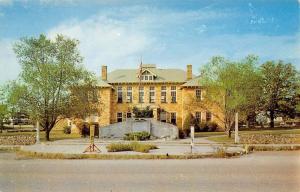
(236,129)
(192,137)
(37,132)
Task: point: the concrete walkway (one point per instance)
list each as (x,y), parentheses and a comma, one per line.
(177,147)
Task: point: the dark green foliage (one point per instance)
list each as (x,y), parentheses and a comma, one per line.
(280,82)
(137,136)
(208,126)
(143,113)
(186,129)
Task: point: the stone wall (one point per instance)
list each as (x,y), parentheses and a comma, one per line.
(155,128)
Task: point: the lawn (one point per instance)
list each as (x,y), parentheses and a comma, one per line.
(54,135)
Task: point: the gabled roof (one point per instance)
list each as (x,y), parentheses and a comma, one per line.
(195,82)
(162,75)
(101,83)
(150,71)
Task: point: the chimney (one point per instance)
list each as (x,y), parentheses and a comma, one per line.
(189,72)
(104,73)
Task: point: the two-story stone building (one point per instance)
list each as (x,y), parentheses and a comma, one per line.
(171,93)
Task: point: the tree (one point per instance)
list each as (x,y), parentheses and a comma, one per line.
(280,82)
(231,86)
(50,69)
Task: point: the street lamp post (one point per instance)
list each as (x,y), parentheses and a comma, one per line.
(192,137)
(236,129)
(37,132)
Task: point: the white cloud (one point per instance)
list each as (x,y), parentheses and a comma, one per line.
(119,37)
(9,65)
(6,2)
(106,41)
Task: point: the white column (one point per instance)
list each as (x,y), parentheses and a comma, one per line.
(192,137)
(236,129)
(37,132)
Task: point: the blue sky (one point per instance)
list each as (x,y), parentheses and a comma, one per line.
(168,33)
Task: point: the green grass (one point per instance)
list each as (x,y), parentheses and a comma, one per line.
(207,134)
(41,155)
(54,135)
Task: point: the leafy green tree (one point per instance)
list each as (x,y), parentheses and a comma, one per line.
(280,82)
(231,86)
(50,69)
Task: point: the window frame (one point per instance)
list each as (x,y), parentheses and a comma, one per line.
(163,93)
(151,94)
(129,94)
(173,94)
(141,97)
(119,117)
(119,94)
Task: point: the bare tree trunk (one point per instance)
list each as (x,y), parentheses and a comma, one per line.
(229,133)
(47,135)
(47,130)
(272,116)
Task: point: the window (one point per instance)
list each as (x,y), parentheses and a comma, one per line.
(129,94)
(163,93)
(147,76)
(198,117)
(198,95)
(173,94)
(141,94)
(208,116)
(152,95)
(173,118)
(119,117)
(163,116)
(119,93)
(128,115)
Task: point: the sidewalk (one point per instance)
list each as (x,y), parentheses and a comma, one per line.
(177,147)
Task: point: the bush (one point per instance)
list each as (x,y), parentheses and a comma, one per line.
(188,122)
(137,136)
(143,113)
(208,126)
(134,146)
(203,127)
(67,130)
(212,126)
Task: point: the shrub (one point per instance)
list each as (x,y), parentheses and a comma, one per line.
(208,126)
(115,147)
(203,126)
(143,113)
(134,146)
(188,122)
(137,136)
(212,126)
(67,130)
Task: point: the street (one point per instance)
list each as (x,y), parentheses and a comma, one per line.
(260,171)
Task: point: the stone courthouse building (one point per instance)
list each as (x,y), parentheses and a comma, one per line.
(172,94)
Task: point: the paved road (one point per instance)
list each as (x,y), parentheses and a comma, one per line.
(261,171)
